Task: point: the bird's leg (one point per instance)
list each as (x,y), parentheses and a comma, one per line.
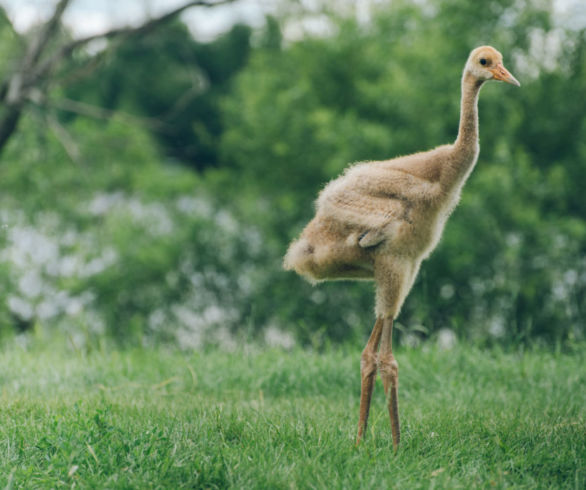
(368,375)
(389,371)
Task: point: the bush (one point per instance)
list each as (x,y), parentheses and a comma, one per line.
(128,247)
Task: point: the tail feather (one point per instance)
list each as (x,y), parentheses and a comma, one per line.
(300,258)
(297,254)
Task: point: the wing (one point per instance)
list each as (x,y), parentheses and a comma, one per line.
(372,238)
(363,200)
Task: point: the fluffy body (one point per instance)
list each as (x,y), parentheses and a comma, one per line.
(381,216)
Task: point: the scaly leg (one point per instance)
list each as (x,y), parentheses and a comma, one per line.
(368,375)
(389,371)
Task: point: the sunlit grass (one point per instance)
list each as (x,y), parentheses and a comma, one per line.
(275,419)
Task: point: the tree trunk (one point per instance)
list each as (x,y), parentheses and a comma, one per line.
(9,124)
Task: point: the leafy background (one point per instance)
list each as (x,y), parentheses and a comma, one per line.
(169,220)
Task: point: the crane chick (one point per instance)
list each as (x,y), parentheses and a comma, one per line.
(379,220)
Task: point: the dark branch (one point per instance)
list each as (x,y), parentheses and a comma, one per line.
(8,124)
(96,112)
(40,41)
(17,88)
(69,48)
(13,89)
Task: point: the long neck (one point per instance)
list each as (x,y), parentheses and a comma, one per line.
(468,132)
(465,148)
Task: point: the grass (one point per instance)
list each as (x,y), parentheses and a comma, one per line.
(274,419)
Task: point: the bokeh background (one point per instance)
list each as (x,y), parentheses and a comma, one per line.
(150,181)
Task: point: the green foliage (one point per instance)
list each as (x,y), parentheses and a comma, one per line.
(10,48)
(144,418)
(117,243)
(185,78)
(128,242)
(511,262)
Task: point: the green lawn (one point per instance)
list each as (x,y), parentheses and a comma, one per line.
(275,419)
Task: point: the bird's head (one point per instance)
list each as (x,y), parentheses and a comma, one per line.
(486,63)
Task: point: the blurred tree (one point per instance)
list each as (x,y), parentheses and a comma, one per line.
(183,102)
(31,75)
(153,248)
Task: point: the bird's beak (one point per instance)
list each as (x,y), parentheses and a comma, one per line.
(499,72)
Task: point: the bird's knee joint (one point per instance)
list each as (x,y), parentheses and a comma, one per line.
(388,366)
(367,363)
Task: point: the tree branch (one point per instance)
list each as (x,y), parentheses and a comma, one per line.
(13,90)
(35,67)
(69,48)
(96,112)
(8,124)
(40,41)
(66,140)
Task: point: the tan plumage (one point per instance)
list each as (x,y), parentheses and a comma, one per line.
(380,220)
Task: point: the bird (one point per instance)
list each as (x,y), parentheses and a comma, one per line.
(380,219)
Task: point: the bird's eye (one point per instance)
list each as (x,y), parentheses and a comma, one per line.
(483,61)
